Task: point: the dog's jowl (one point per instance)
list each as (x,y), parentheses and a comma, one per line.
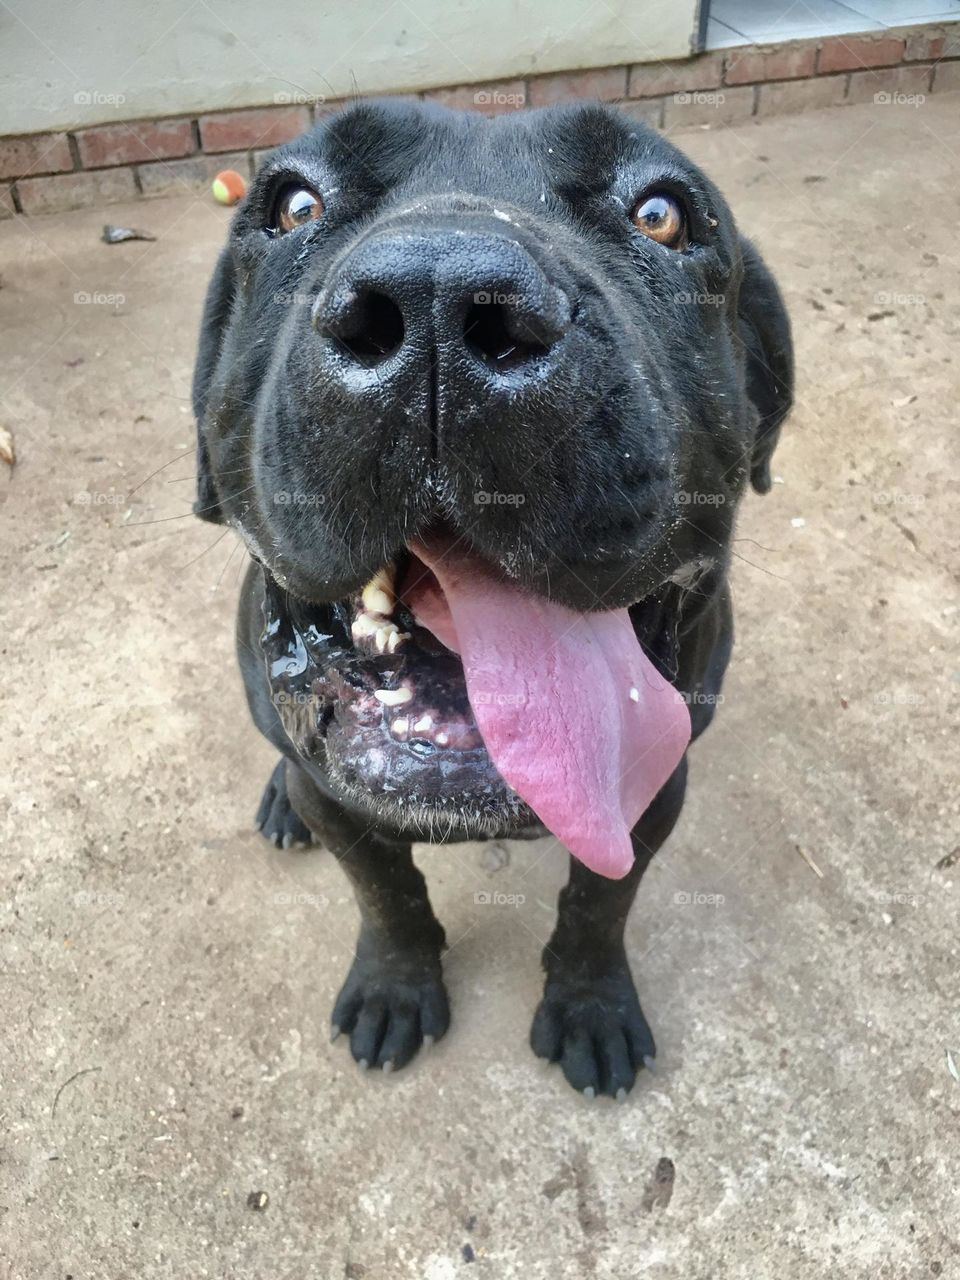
(481,397)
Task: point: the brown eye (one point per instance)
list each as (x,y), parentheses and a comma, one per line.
(297,207)
(661,218)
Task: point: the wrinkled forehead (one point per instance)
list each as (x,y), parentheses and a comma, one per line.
(573,151)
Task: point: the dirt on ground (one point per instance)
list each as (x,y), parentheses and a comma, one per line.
(171,1104)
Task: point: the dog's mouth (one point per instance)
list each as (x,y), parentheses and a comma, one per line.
(445,690)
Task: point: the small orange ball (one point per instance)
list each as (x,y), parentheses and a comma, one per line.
(229,187)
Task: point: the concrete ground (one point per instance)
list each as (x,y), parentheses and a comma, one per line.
(168,978)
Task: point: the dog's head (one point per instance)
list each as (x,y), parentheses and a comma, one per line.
(539,339)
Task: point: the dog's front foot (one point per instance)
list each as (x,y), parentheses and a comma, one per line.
(594,1027)
(276,819)
(390,1007)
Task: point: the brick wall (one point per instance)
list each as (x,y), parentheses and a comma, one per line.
(44,173)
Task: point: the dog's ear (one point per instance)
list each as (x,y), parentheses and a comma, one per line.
(765,332)
(213,326)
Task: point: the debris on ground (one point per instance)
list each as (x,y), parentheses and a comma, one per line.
(8,453)
(809,861)
(117,235)
(257,1201)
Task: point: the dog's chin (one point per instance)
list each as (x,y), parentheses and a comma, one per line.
(380,707)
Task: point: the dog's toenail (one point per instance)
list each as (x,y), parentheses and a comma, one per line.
(388,1066)
(621,1094)
(427,1041)
(590,1091)
(363,1064)
(334,1032)
(649,1063)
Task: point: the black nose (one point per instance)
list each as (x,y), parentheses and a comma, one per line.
(471,294)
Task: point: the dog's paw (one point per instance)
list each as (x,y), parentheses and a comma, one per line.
(276,819)
(596,1030)
(389,1011)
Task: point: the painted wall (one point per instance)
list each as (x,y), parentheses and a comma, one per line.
(66,64)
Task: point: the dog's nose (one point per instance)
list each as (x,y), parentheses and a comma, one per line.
(461,293)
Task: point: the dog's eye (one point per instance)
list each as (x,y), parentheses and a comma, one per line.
(296,207)
(660,218)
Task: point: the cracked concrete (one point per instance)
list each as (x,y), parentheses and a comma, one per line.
(795,943)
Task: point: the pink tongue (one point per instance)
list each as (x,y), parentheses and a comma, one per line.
(574,715)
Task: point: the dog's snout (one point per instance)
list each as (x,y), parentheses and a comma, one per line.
(415,298)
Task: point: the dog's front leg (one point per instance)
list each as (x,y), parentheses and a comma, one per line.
(590,1020)
(393,1000)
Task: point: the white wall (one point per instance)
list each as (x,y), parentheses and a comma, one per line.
(66,64)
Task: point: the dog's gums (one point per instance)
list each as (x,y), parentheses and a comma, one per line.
(392,722)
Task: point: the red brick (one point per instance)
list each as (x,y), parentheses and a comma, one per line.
(946,77)
(776,62)
(800,95)
(112,144)
(7,209)
(910,80)
(711,107)
(490,99)
(605,83)
(850,53)
(75,190)
(655,79)
(195,174)
(647,111)
(260,127)
(926,44)
(35,153)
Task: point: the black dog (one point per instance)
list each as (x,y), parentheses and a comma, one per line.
(481,397)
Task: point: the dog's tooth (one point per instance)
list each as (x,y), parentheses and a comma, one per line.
(388,637)
(634,695)
(396,639)
(378,595)
(393,697)
(423,724)
(442,739)
(400,727)
(364,625)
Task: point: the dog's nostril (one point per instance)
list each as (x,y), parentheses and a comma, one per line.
(373,329)
(490,334)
